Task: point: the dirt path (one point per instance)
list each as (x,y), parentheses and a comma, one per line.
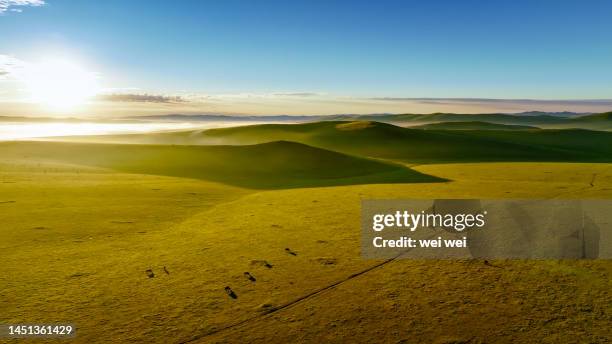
(253,321)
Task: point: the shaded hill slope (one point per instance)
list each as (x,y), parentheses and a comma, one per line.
(270,165)
(599,121)
(386,141)
(472,125)
(381,140)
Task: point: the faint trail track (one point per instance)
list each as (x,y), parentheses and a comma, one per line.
(299,299)
(306,297)
(589,186)
(291,303)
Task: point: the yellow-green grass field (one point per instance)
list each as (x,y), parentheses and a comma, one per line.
(76,240)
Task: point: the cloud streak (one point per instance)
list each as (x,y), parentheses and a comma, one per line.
(142,98)
(498,102)
(296,94)
(9,5)
(10,67)
(141,101)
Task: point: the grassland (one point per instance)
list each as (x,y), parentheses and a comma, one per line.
(91,234)
(270,165)
(386,141)
(598,121)
(549,120)
(83,222)
(472,125)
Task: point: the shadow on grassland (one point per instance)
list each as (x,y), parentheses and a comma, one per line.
(273,165)
(386,141)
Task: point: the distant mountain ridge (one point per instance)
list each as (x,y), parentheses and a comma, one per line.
(474,125)
(387,141)
(375,116)
(596,121)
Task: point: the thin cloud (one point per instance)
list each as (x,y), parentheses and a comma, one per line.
(142,98)
(10,67)
(484,101)
(9,5)
(263,95)
(296,94)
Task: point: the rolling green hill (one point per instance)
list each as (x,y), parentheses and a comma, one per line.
(597,121)
(601,118)
(530,118)
(499,118)
(600,121)
(387,141)
(473,125)
(265,166)
(587,142)
(381,140)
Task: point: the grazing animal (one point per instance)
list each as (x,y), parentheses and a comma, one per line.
(250,277)
(230,293)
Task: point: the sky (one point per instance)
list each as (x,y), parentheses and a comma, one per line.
(115,58)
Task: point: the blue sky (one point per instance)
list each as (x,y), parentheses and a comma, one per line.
(412,49)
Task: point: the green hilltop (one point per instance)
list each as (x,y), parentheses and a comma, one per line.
(270,165)
(383,140)
(387,141)
(472,125)
(328,152)
(599,121)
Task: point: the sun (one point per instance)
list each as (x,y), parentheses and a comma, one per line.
(60,84)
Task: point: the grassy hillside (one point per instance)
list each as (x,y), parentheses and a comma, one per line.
(601,121)
(382,140)
(473,125)
(537,118)
(499,118)
(271,165)
(388,141)
(598,121)
(589,142)
(77,243)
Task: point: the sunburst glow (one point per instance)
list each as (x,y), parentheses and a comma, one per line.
(60,84)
